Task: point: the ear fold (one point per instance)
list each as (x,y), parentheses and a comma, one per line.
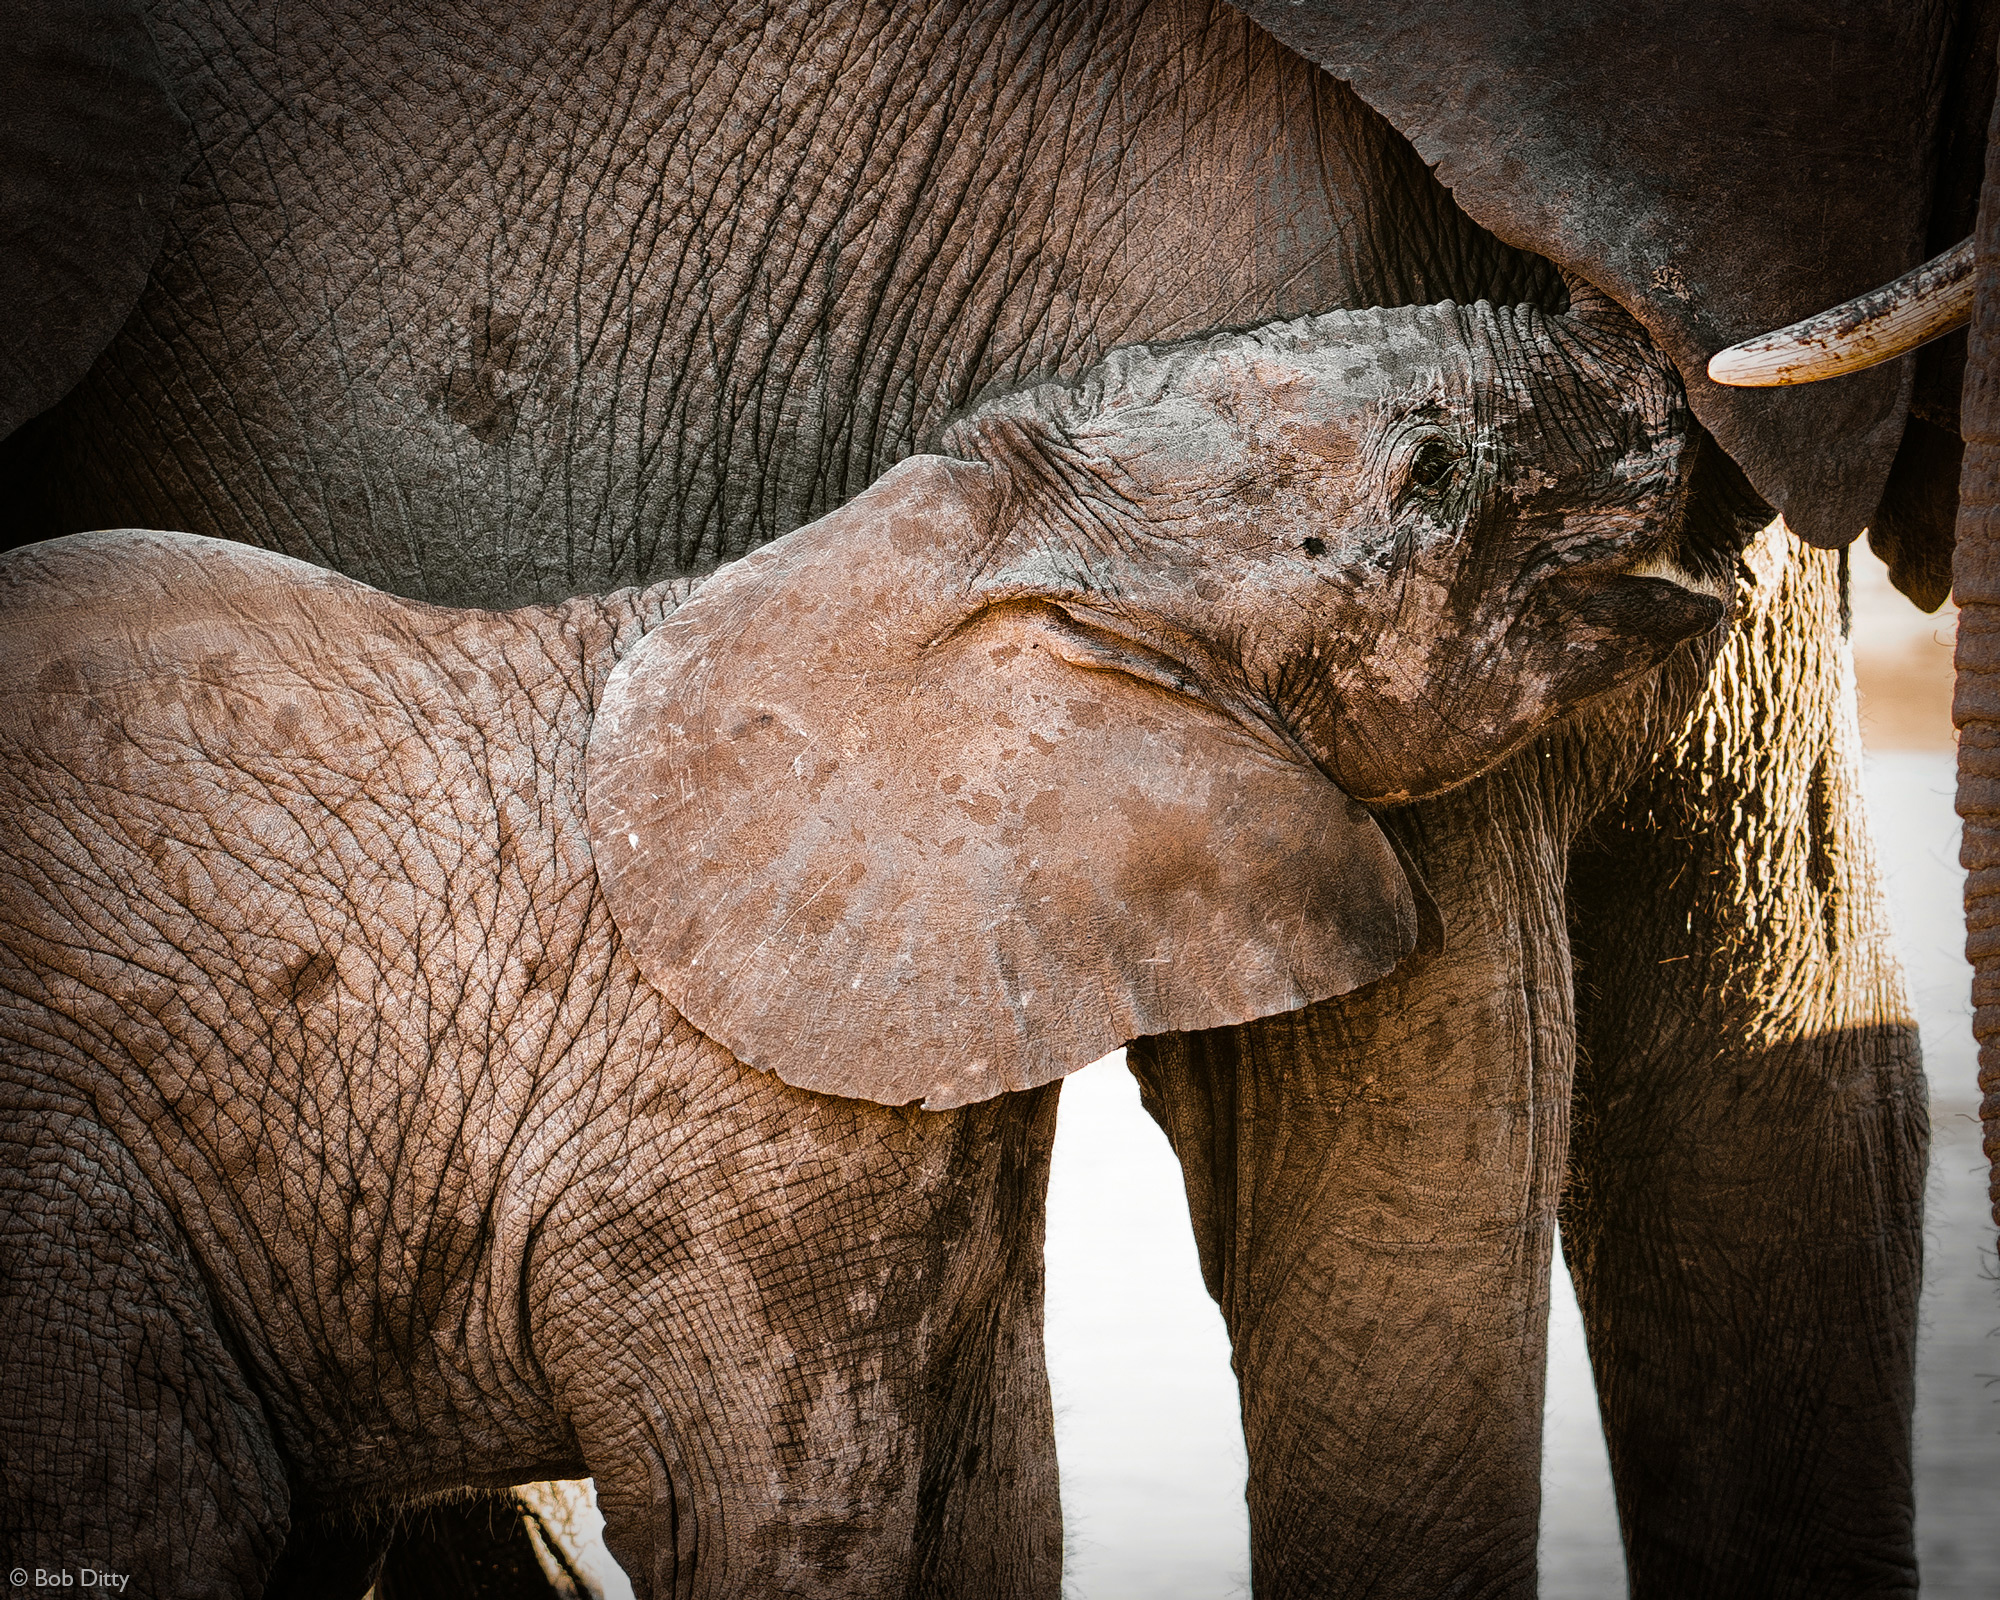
(891,842)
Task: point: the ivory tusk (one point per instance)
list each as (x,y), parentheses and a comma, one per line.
(1871,328)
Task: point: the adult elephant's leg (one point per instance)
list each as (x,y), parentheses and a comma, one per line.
(1976,705)
(1373,1183)
(1744,1214)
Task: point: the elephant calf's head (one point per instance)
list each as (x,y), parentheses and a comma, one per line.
(1406,540)
(1053,740)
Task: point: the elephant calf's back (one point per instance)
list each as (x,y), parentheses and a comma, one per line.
(267,823)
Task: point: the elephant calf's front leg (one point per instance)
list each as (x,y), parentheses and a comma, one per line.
(830,1381)
(1373,1183)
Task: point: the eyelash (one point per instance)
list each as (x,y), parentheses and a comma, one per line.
(1436,466)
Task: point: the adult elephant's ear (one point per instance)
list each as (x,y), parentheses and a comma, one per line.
(893,834)
(91,152)
(1719,167)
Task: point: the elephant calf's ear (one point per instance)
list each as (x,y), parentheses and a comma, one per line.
(888,843)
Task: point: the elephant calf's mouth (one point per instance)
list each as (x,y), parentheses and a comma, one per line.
(1654,602)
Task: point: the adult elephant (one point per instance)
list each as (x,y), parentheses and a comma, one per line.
(503,303)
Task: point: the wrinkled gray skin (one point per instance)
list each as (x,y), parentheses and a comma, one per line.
(524,302)
(351,1159)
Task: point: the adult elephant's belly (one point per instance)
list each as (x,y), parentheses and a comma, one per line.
(508,303)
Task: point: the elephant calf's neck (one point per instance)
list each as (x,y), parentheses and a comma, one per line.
(314,918)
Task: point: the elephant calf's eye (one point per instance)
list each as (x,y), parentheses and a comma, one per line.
(1433,466)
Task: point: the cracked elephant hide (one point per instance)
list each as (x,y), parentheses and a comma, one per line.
(511,303)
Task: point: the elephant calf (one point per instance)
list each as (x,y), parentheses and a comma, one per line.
(376,981)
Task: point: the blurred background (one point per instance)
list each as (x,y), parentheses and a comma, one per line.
(1146,1426)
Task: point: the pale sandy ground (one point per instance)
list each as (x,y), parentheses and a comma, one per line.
(1146,1425)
